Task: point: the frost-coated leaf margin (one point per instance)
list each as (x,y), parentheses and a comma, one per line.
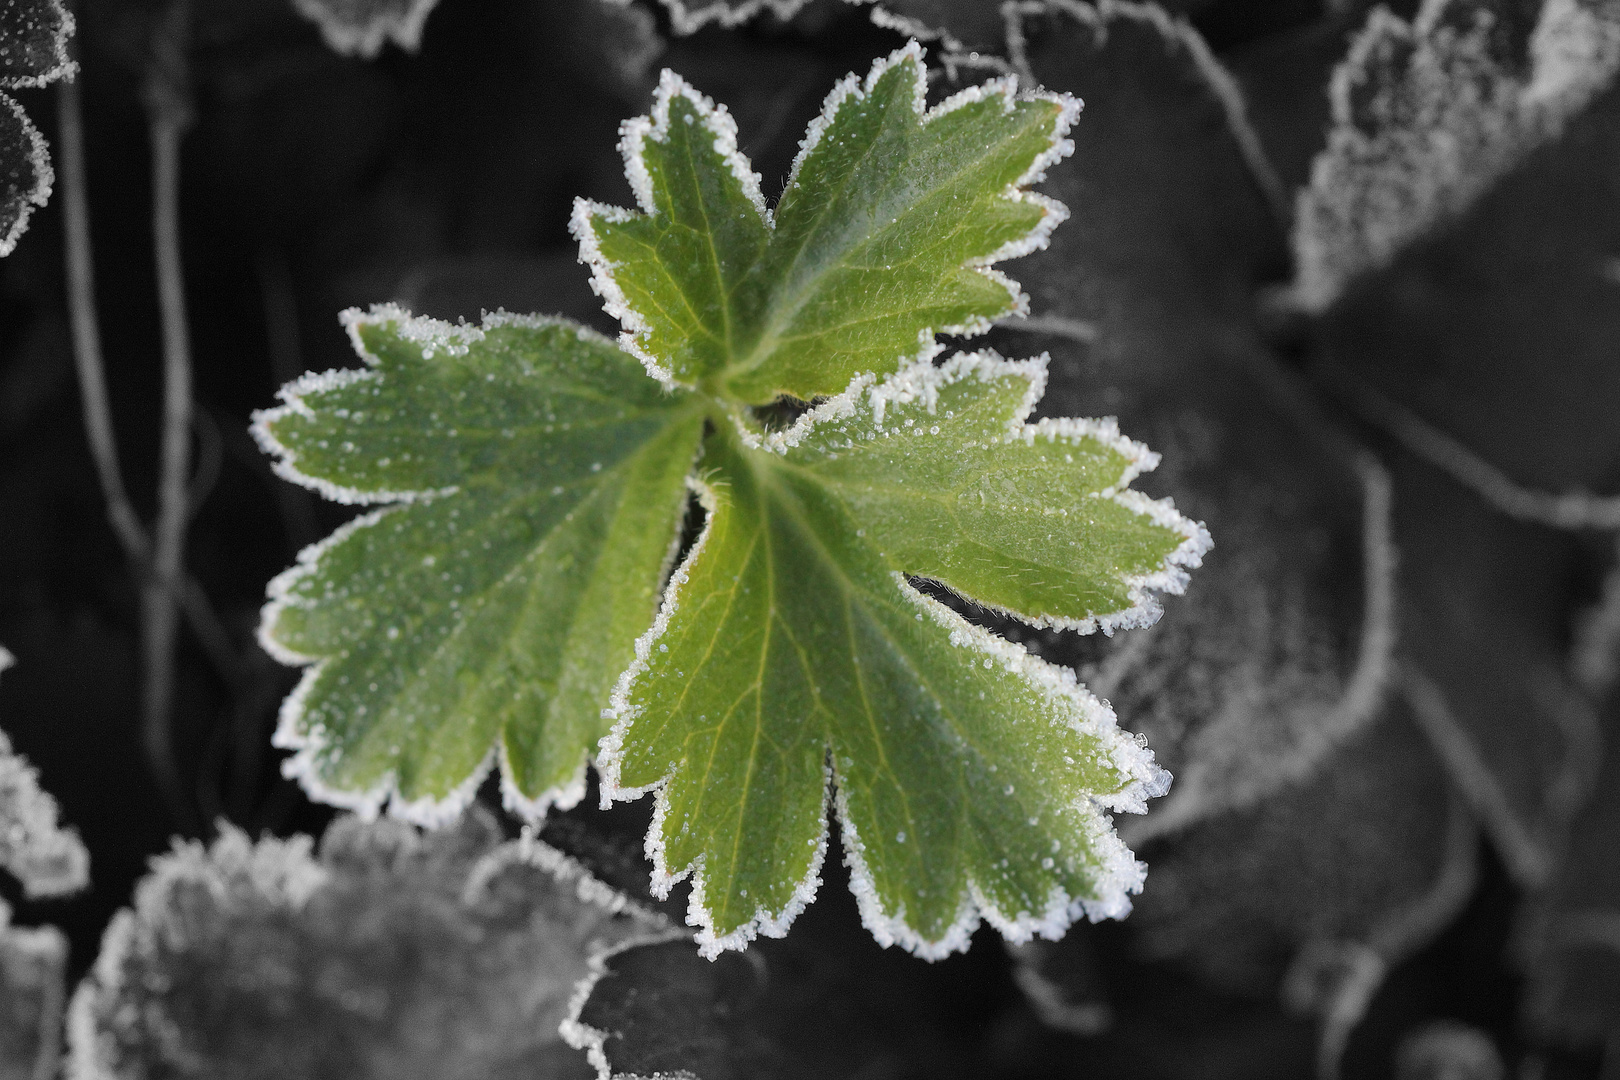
(1120,874)
(718,121)
(303,766)
(38,160)
(349,36)
(62,65)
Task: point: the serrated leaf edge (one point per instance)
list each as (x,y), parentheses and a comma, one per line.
(302,767)
(65,68)
(633,136)
(367,40)
(1121,874)
(689,20)
(923,380)
(719,122)
(39,157)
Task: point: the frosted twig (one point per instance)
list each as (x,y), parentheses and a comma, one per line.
(168,115)
(1594,659)
(1526,857)
(1569,510)
(87,356)
(1217,79)
(1365,965)
(81,295)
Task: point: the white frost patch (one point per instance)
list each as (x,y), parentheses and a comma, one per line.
(361,27)
(38,161)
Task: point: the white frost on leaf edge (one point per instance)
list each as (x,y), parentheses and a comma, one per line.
(719,122)
(633,136)
(39,159)
(922,380)
(610,754)
(689,20)
(47,857)
(366,40)
(1121,875)
(433,335)
(65,67)
(281,869)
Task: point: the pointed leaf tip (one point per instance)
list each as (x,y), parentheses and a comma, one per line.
(884,235)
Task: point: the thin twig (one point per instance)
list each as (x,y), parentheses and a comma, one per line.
(1594,659)
(81,296)
(1569,510)
(1395,938)
(87,355)
(168,115)
(1527,858)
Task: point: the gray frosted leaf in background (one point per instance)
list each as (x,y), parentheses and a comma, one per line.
(25,172)
(1511,313)
(392,954)
(1567,941)
(690,16)
(1242,686)
(362,27)
(47,858)
(33,960)
(1328,861)
(33,42)
(1427,115)
(958,25)
(33,972)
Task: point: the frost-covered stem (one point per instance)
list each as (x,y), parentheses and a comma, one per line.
(1595,653)
(168,115)
(81,298)
(1397,937)
(1568,510)
(1527,858)
(126,524)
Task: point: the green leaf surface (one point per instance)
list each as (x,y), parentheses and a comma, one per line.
(882,238)
(537,481)
(793,656)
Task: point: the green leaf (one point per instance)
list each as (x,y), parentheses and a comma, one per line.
(793,657)
(882,238)
(537,482)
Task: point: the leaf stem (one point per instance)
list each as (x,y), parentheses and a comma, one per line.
(168,116)
(81,297)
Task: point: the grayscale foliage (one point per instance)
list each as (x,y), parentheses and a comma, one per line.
(362,27)
(389,954)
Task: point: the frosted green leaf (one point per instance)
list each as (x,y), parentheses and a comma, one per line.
(794,661)
(883,236)
(536,482)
